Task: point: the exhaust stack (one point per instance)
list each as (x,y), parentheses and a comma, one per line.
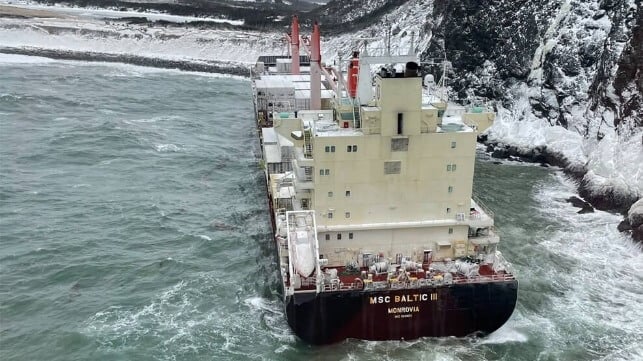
(315,69)
(353,71)
(294,45)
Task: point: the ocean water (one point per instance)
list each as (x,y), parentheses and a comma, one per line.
(134,226)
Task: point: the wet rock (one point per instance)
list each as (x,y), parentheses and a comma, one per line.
(637,233)
(579,203)
(635,219)
(624,226)
(500,153)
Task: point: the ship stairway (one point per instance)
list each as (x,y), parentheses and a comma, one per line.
(303,248)
(308,145)
(356,117)
(308,172)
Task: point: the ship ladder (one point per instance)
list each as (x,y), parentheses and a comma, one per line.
(356,117)
(308,145)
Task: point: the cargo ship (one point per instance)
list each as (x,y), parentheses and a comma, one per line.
(369,177)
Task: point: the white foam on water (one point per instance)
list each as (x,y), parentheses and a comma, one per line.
(167,148)
(599,278)
(7,96)
(204,237)
(10,59)
(505,334)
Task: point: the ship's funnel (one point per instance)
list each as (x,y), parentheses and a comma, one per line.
(294,45)
(353,70)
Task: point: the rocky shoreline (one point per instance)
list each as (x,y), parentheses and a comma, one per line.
(630,206)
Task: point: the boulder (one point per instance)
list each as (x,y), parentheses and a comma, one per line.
(579,203)
(635,219)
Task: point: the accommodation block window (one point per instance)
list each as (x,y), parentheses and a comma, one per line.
(339,236)
(347,215)
(451,167)
(327,237)
(324,172)
(450,230)
(329,149)
(351,148)
(350,235)
(453,145)
(450,189)
(348,193)
(393,167)
(399,144)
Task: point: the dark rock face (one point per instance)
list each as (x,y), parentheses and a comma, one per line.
(566,53)
(488,42)
(628,82)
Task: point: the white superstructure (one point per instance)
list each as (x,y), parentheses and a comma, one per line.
(385,178)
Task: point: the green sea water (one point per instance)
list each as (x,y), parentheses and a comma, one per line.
(134,226)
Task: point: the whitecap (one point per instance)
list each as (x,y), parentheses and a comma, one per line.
(505,334)
(7,96)
(166,148)
(257,303)
(204,237)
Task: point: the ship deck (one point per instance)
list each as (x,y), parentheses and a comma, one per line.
(427,276)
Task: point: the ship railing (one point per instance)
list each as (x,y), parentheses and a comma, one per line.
(484,279)
(482,206)
(409,284)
